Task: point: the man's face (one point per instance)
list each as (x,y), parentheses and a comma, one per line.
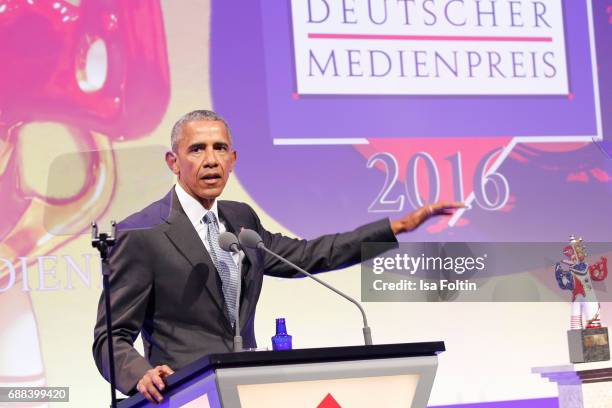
(203,160)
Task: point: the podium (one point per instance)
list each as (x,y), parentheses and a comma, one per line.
(388,375)
(581,385)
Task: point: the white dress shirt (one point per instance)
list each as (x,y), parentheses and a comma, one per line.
(196,212)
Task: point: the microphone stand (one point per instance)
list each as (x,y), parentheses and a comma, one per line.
(367,333)
(237,336)
(102,242)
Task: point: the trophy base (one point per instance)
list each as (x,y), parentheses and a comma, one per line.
(588,345)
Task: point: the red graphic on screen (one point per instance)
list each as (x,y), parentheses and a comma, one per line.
(99,70)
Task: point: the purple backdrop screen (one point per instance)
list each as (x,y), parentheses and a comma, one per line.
(349,111)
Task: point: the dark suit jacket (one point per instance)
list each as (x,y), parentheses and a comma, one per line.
(165,285)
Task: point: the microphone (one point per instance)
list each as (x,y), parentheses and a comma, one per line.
(251,239)
(228,242)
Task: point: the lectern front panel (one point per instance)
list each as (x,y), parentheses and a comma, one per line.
(391,382)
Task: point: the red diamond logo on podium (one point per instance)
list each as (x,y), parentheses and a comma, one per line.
(329,402)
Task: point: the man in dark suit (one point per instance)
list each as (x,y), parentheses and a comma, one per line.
(171,281)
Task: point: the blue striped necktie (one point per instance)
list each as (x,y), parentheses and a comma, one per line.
(228,270)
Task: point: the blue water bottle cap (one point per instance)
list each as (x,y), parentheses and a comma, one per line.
(281,327)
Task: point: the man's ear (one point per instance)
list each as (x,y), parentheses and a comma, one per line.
(172,162)
(235,154)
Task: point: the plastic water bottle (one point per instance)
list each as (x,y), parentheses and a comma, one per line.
(282,340)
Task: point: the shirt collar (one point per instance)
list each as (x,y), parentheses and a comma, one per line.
(192,207)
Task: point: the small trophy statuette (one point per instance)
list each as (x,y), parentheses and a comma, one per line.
(588,340)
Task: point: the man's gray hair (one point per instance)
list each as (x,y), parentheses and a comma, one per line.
(192,116)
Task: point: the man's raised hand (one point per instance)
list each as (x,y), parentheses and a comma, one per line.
(413,220)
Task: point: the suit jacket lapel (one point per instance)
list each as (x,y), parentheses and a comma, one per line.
(187,241)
